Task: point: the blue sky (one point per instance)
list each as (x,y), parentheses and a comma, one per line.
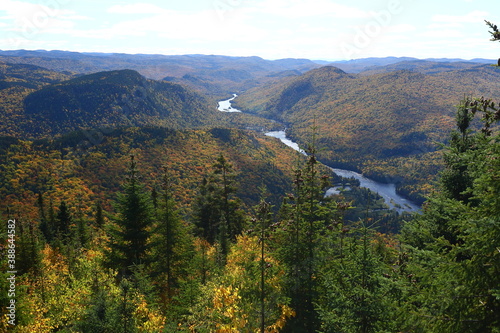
(272,29)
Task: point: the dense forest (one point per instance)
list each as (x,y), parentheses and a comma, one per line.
(133,205)
(388,124)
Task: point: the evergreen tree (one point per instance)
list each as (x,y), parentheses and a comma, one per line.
(172,245)
(47,219)
(455,241)
(495,33)
(63,222)
(99,215)
(261,227)
(354,295)
(308,214)
(131,230)
(217,213)
(28,248)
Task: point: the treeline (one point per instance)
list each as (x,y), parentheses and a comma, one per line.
(142,265)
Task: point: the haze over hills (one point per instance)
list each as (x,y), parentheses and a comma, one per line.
(210,74)
(215,75)
(363,64)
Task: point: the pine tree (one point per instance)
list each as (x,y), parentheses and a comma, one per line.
(217,213)
(455,241)
(47,219)
(308,214)
(99,215)
(354,295)
(63,222)
(28,249)
(172,245)
(131,230)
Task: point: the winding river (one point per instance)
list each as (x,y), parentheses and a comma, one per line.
(386,191)
(225,106)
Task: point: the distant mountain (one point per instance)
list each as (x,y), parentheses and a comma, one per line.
(379,64)
(359,65)
(16,82)
(211,74)
(374,123)
(113,99)
(422,66)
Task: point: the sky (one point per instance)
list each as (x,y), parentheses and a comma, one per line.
(272,29)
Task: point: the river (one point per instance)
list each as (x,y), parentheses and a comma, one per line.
(225,106)
(386,191)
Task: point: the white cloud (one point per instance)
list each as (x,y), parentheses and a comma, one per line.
(136,8)
(198,27)
(442,34)
(472,17)
(312,8)
(28,21)
(444,25)
(402,28)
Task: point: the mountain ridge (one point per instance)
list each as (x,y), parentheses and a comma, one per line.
(113,99)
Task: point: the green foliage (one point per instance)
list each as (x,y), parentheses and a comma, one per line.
(304,219)
(131,232)
(455,242)
(171,245)
(170,260)
(356,294)
(63,222)
(217,213)
(113,99)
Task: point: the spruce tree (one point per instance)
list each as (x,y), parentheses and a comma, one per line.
(308,212)
(172,245)
(63,223)
(217,214)
(47,219)
(131,230)
(99,216)
(455,241)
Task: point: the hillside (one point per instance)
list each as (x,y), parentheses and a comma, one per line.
(82,169)
(385,125)
(111,99)
(422,66)
(16,82)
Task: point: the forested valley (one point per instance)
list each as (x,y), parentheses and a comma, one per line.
(131,204)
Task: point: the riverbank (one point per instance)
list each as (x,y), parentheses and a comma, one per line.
(386,190)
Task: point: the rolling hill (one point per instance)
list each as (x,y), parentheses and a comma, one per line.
(16,82)
(113,99)
(387,63)
(384,121)
(213,75)
(381,124)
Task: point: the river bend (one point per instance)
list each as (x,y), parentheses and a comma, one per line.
(386,191)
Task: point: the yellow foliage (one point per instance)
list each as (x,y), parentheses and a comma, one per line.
(226,300)
(286,312)
(39,323)
(229,303)
(150,321)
